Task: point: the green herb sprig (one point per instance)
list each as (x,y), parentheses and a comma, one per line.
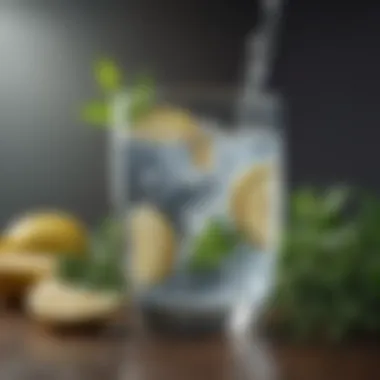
(329,271)
(212,246)
(102,268)
(110,79)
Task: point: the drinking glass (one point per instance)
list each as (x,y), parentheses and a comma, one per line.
(201,205)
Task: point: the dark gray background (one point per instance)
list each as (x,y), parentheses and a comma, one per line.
(327,68)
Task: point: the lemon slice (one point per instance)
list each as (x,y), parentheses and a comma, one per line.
(152,246)
(167,124)
(49,232)
(250,204)
(170,124)
(55,303)
(18,271)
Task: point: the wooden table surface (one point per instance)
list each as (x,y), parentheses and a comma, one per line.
(28,352)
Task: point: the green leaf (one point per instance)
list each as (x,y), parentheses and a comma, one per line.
(335,199)
(317,208)
(102,268)
(327,281)
(72,269)
(105,275)
(96,113)
(108,75)
(305,206)
(106,270)
(212,245)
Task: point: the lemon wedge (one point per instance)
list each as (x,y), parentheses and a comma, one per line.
(152,248)
(57,304)
(250,204)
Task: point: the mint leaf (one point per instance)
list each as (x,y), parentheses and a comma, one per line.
(108,75)
(213,245)
(109,78)
(96,113)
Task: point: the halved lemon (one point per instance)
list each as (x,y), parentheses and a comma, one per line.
(250,204)
(31,245)
(57,304)
(153,245)
(18,271)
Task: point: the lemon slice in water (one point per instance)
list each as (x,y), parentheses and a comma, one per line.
(250,204)
(170,124)
(152,248)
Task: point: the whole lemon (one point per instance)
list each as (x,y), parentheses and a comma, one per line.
(46,232)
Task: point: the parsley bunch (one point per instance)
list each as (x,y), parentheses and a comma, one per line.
(329,271)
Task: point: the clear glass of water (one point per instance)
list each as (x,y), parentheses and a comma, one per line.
(200,196)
